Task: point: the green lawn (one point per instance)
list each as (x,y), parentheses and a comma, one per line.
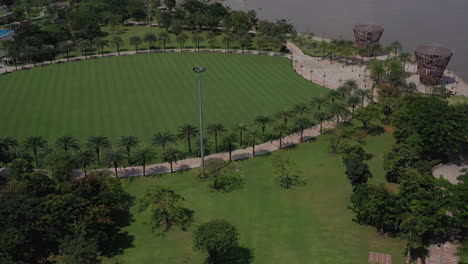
(309,47)
(309,224)
(141,94)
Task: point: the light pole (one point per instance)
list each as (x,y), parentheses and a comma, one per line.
(200,70)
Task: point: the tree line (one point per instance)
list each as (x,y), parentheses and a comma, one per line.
(80,28)
(427,131)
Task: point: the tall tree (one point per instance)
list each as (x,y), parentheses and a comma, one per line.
(182,38)
(67,143)
(285,114)
(262,121)
(242,128)
(301,109)
(188,131)
(115,157)
(150,38)
(228,38)
(163,139)
(229,141)
(143,156)
(253,135)
(117,42)
(128,143)
(35,144)
(97,143)
(281,129)
(164,39)
(216,129)
(78,249)
(171,155)
(318,102)
(84,159)
(135,41)
(321,116)
(197,37)
(396,46)
(301,123)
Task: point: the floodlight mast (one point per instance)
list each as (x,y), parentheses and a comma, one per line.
(201,70)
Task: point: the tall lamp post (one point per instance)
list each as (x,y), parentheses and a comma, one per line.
(200,70)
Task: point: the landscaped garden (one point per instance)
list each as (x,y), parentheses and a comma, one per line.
(139,95)
(309,224)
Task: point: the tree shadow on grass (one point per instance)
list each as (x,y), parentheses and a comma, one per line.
(237,255)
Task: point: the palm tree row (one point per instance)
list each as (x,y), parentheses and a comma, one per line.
(128,151)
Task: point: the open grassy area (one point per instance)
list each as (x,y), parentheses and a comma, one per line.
(141,94)
(309,224)
(458,99)
(309,46)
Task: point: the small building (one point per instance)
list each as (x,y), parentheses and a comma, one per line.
(367,34)
(432,60)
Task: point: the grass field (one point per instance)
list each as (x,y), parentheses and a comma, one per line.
(141,94)
(310,47)
(309,224)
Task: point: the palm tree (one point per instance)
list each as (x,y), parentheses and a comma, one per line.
(281,129)
(164,38)
(324,46)
(262,121)
(151,38)
(242,127)
(321,116)
(197,37)
(172,155)
(352,85)
(253,136)
(343,91)
(135,41)
(376,69)
(215,129)
(84,159)
(388,50)
(396,45)
(115,157)
(181,39)
(230,142)
(353,101)
(375,49)
(163,138)
(101,44)
(211,36)
(128,142)
(337,110)
(97,143)
(143,156)
(318,102)
(67,142)
(228,39)
(301,123)
(187,131)
(333,95)
(301,109)
(117,42)
(66,47)
(285,114)
(9,142)
(405,58)
(35,144)
(363,94)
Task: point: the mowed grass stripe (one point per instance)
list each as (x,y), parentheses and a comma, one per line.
(141,94)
